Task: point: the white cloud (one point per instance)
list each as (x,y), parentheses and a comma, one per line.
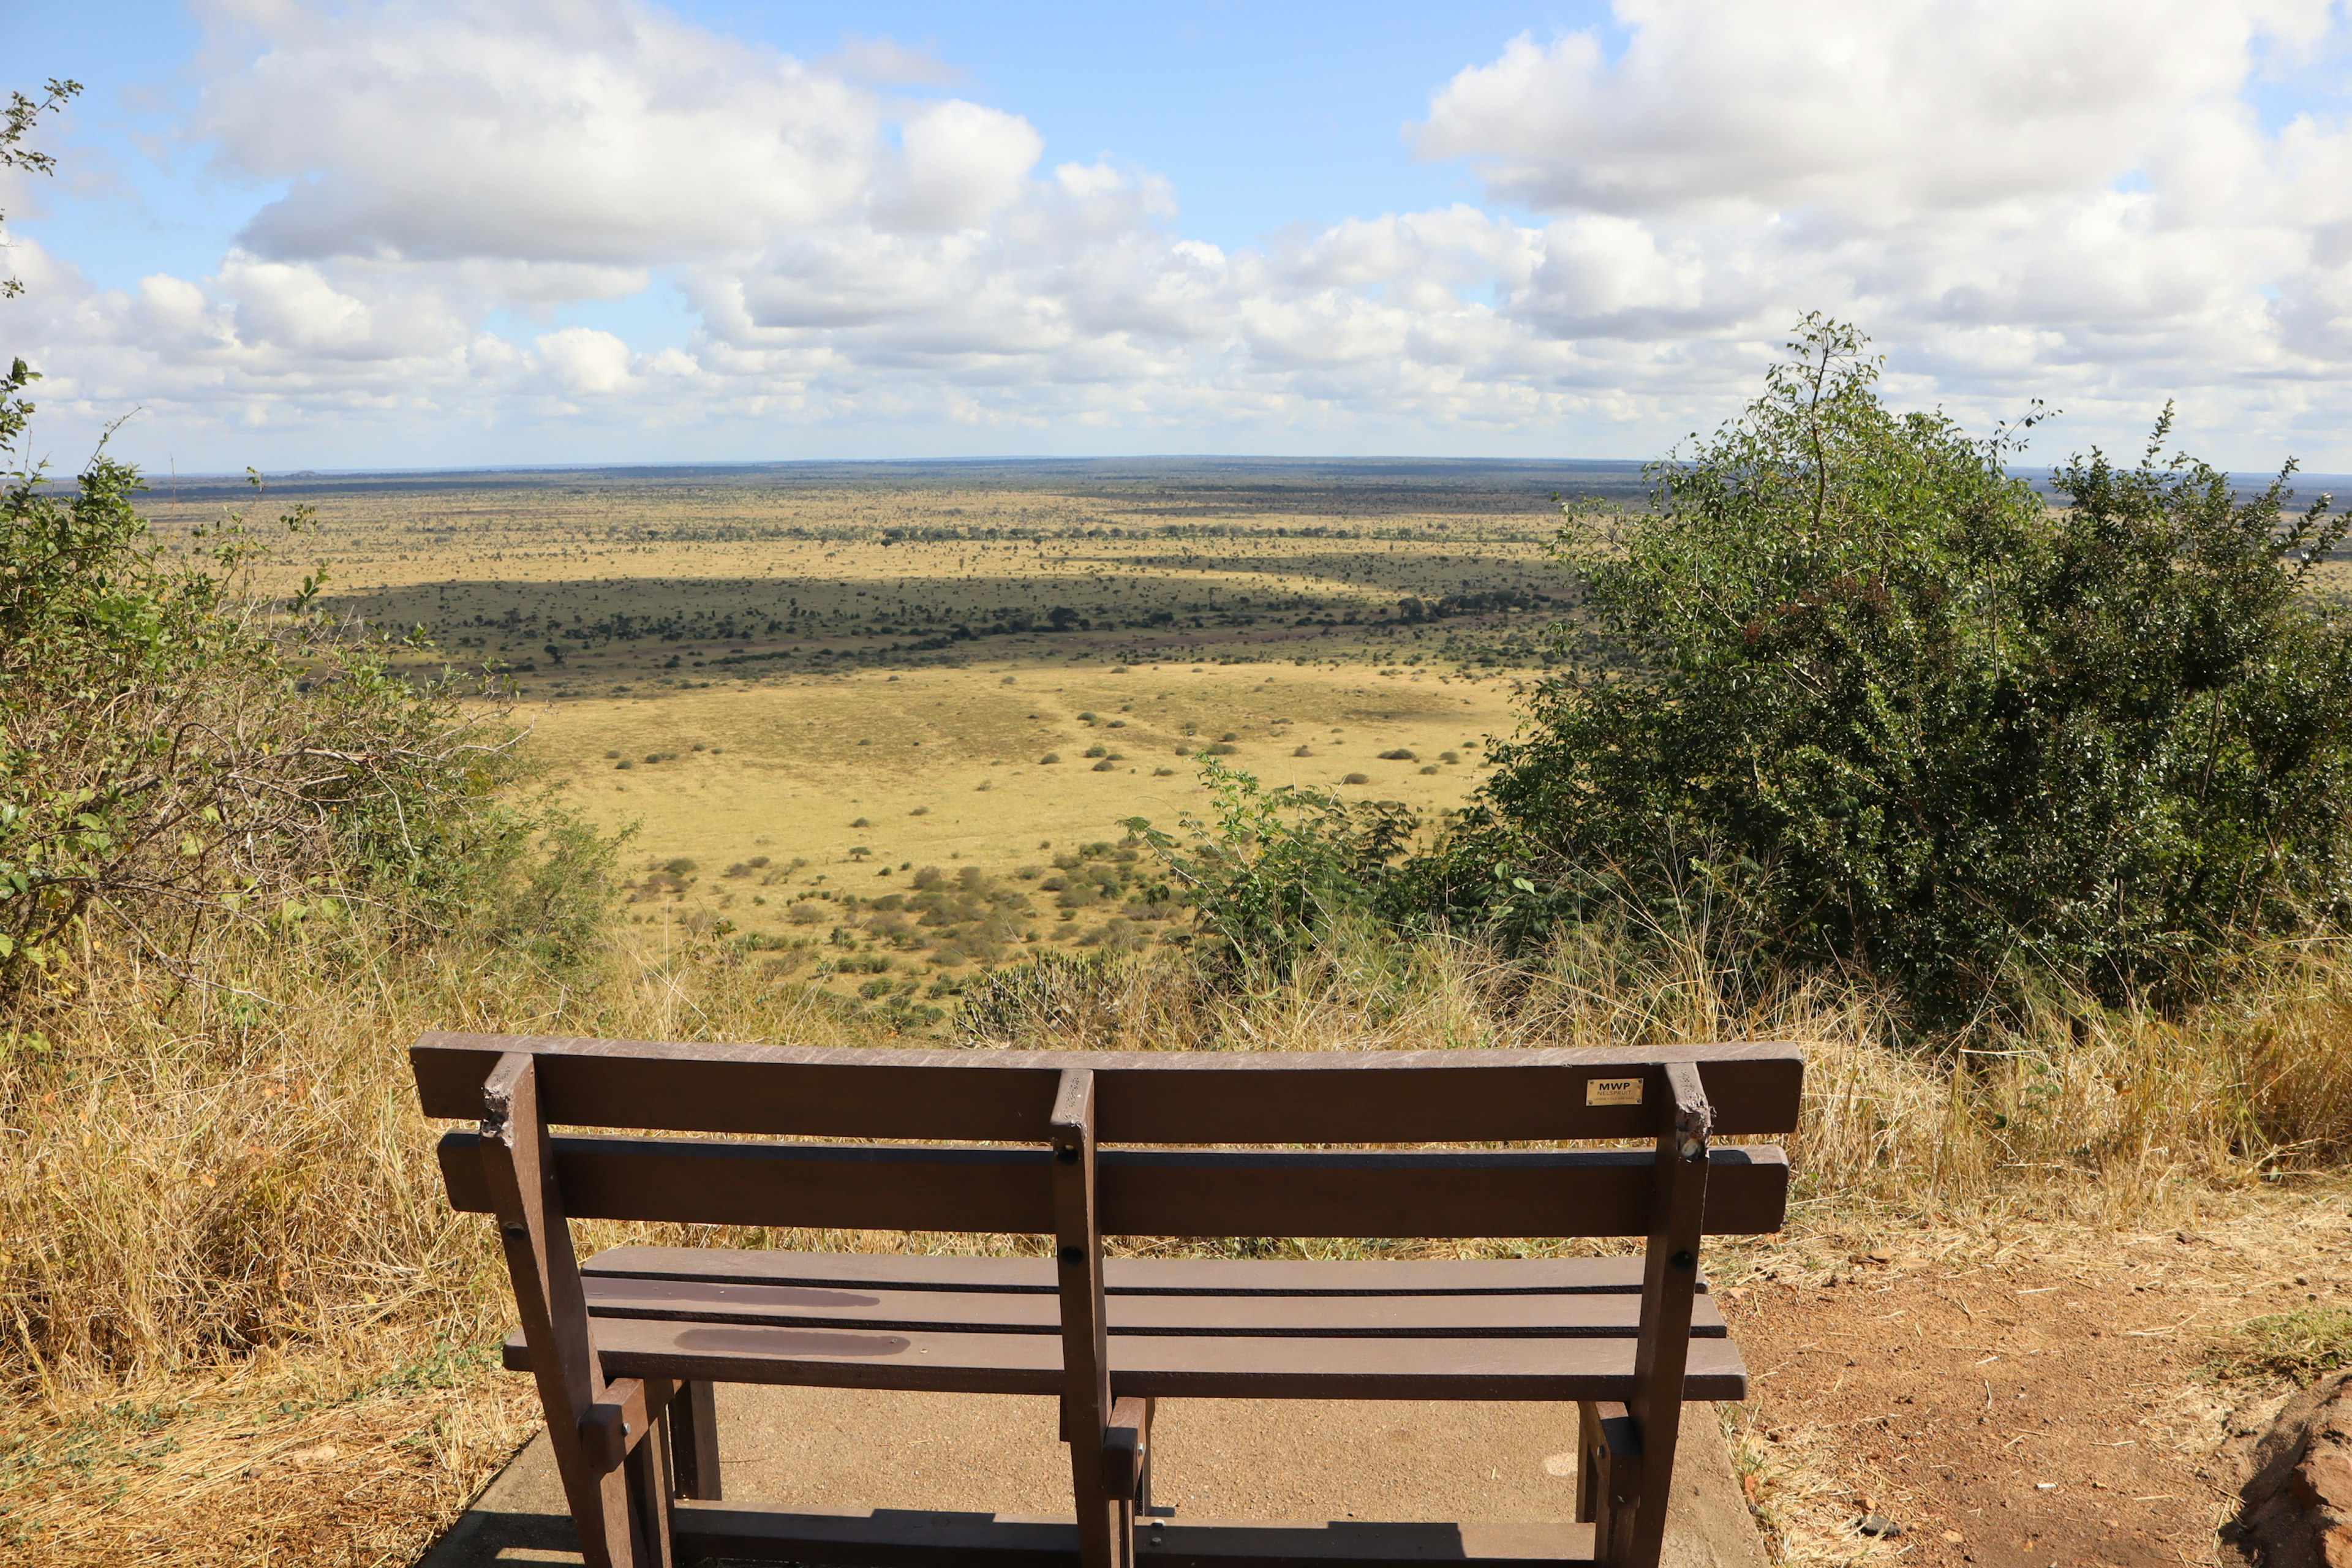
(1875,111)
(962,164)
(2075,201)
(582,359)
(534,131)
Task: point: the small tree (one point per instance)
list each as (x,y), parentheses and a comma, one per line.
(1899,713)
(180,748)
(1279,866)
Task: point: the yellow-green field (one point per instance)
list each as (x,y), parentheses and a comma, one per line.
(883,725)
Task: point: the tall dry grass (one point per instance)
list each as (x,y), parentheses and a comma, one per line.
(199,1176)
(212,1197)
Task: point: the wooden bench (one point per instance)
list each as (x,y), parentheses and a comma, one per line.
(626,1348)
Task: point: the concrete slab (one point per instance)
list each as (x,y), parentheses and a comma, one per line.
(1214,1458)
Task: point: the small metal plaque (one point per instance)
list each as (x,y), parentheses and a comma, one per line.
(1612,1091)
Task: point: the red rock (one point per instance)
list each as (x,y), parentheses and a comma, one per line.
(2324,1480)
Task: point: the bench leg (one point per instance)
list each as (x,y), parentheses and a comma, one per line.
(1106,1523)
(648,1474)
(549,1298)
(1669,1285)
(694,1442)
(1608,1478)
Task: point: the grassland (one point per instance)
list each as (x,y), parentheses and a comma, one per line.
(881,723)
(244,1326)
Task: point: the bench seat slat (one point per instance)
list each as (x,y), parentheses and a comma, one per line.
(889,1537)
(1131,1276)
(1004,1311)
(1151,1365)
(1190,1193)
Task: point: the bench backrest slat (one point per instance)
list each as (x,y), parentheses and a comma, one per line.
(1189,1192)
(982,1096)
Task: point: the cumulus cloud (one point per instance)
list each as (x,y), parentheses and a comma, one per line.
(535,130)
(582,359)
(2075,201)
(1876,111)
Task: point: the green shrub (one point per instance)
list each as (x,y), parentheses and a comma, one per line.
(1893,710)
(1275,868)
(181,753)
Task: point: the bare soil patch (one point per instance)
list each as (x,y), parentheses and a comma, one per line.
(2021,1403)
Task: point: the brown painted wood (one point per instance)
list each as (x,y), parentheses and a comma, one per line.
(615,1424)
(1141,1097)
(1193,1193)
(513,1159)
(1127,1449)
(1555,1316)
(693,1420)
(1669,1278)
(900,1538)
(1152,1365)
(1105,1539)
(1609,1466)
(1130,1275)
(647,1474)
(1129,1330)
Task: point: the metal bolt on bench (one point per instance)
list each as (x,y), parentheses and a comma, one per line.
(626,1348)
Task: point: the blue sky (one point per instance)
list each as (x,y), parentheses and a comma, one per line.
(452,231)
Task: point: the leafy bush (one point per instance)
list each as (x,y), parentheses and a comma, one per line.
(1897,712)
(178,751)
(1276,867)
(181,753)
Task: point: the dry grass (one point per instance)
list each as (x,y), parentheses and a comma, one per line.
(229,1259)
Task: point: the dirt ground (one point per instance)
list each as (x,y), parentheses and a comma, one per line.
(2025,1402)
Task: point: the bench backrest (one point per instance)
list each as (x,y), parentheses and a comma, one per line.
(984,1101)
(1081,1145)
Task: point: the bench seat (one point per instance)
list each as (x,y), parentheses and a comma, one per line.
(1556,1329)
(885,1538)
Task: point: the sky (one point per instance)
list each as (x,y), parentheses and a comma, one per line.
(379,234)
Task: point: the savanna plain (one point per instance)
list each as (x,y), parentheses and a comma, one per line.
(873,739)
